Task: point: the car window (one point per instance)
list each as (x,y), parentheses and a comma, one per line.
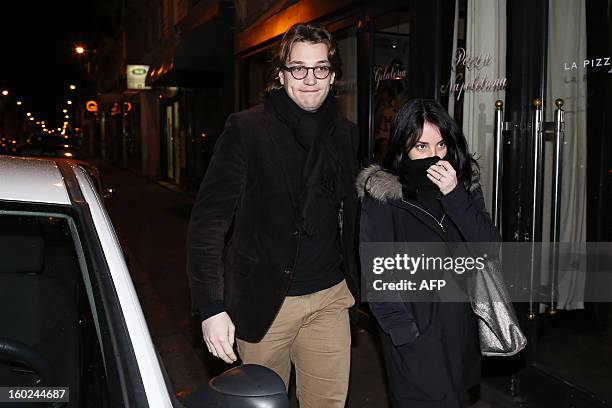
(48,312)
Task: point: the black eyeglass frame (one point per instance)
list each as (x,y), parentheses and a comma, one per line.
(290,69)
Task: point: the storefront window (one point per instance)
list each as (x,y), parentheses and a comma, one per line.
(390,78)
(254,76)
(346,86)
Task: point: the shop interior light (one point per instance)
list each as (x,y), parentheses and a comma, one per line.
(28,114)
(69,102)
(5,92)
(397,69)
(65,110)
(72,87)
(18,102)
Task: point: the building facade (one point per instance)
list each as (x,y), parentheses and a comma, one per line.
(207,59)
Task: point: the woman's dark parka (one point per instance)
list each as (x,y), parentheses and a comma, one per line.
(244,234)
(422,337)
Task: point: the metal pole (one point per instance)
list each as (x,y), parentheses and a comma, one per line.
(496,207)
(556,199)
(537,162)
(124,136)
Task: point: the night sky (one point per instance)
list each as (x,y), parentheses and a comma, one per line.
(36,41)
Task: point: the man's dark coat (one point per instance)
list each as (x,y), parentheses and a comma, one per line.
(243,235)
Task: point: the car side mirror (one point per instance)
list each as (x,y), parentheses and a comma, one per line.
(245,386)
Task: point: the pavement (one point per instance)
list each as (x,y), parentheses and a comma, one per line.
(151,220)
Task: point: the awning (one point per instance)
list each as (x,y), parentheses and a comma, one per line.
(199,58)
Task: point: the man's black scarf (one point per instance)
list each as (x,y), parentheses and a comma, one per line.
(322,172)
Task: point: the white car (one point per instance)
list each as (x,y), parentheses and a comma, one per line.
(69,314)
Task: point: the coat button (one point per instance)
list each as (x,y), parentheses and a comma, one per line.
(287,271)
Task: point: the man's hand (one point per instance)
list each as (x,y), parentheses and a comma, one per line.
(218,333)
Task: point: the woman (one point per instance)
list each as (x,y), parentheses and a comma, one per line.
(426,190)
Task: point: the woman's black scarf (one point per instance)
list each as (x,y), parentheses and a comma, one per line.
(322,172)
(416,185)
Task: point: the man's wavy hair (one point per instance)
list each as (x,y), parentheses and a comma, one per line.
(311,33)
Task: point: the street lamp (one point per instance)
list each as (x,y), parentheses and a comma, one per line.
(5,92)
(72,87)
(79,49)
(19,103)
(69,102)
(65,110)
(28,114)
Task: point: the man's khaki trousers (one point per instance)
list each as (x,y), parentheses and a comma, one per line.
(313,332)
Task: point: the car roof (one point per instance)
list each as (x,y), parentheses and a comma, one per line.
(32,180)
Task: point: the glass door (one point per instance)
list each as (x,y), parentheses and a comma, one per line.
(574,341)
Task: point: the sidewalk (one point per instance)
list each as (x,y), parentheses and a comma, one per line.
(151,222)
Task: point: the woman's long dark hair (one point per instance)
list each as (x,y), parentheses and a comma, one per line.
(408,127)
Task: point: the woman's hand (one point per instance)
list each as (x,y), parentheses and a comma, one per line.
(443,175)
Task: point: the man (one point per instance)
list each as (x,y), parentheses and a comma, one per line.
(271,238)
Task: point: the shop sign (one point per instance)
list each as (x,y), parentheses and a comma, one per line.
(116,109)
(91,106)
(590,63)
(136,76)
(479,83)
(388,73)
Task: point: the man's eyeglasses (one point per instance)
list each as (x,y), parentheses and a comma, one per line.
(301,72)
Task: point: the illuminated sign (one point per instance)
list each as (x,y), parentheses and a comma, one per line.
(116,109)
(136,76)
(91,106)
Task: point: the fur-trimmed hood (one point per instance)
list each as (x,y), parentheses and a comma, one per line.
(378,183)
(384,186)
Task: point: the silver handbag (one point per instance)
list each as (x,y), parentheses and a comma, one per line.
(498,328)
